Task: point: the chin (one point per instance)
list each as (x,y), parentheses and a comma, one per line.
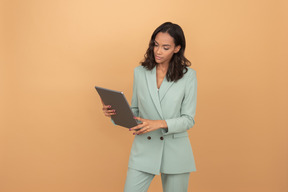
(157,61)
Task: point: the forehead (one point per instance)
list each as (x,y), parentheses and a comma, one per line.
(164,38)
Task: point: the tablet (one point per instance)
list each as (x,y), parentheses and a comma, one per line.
(124,115)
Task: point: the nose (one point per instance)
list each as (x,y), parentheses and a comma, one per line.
(158,50)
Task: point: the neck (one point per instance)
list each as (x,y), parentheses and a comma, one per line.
(162,67)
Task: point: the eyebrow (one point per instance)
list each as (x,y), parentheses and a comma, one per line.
(163,45)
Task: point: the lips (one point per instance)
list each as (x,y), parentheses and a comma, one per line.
(158,58)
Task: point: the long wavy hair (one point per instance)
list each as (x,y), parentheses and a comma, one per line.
(178,64)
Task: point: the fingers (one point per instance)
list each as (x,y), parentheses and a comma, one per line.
(141,128)
(142,131)
(139,118)
(106,106)
(108,111)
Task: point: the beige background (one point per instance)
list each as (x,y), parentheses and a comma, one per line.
(53,136)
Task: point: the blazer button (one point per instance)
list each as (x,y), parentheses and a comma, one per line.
(148,137)
(161,138)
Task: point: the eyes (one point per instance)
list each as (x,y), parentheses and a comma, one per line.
(165,47)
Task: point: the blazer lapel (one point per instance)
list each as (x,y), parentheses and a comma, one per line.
(164,88)
(152,85)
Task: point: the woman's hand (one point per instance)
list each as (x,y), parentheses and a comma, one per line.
(148,126)
(107,110)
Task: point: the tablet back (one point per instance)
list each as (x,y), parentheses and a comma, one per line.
(124,116)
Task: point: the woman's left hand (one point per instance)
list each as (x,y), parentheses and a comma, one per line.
(148,126)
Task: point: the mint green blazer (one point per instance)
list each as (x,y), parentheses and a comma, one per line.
(166,151)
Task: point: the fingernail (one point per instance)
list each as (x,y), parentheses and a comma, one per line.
(134,117)
(129,129)
(134,133)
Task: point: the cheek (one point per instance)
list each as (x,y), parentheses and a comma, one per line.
(170,54)
(154,50)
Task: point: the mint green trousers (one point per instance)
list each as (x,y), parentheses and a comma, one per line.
(138,181)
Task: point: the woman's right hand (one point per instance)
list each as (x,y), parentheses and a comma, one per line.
(107,110)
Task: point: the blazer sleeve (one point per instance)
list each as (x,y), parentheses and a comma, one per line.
(134,102)
(188,108)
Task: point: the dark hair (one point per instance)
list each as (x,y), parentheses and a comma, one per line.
(178,64)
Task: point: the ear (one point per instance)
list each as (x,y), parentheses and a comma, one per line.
(177,49)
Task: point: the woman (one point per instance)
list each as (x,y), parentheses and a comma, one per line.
(164,100)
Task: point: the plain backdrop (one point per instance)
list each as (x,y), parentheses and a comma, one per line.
(53,135)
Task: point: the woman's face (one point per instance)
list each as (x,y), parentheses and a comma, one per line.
(164,48)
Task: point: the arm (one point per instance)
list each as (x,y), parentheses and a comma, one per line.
(134,102)
(188,108)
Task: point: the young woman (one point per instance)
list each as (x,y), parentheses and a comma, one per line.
(164,100)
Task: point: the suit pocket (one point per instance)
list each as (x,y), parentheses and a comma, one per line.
(179,135)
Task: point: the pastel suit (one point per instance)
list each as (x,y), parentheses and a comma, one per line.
(164,150)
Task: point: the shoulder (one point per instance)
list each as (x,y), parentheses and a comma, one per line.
(139,73)
(140,69)
(190,79)
(191,73)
